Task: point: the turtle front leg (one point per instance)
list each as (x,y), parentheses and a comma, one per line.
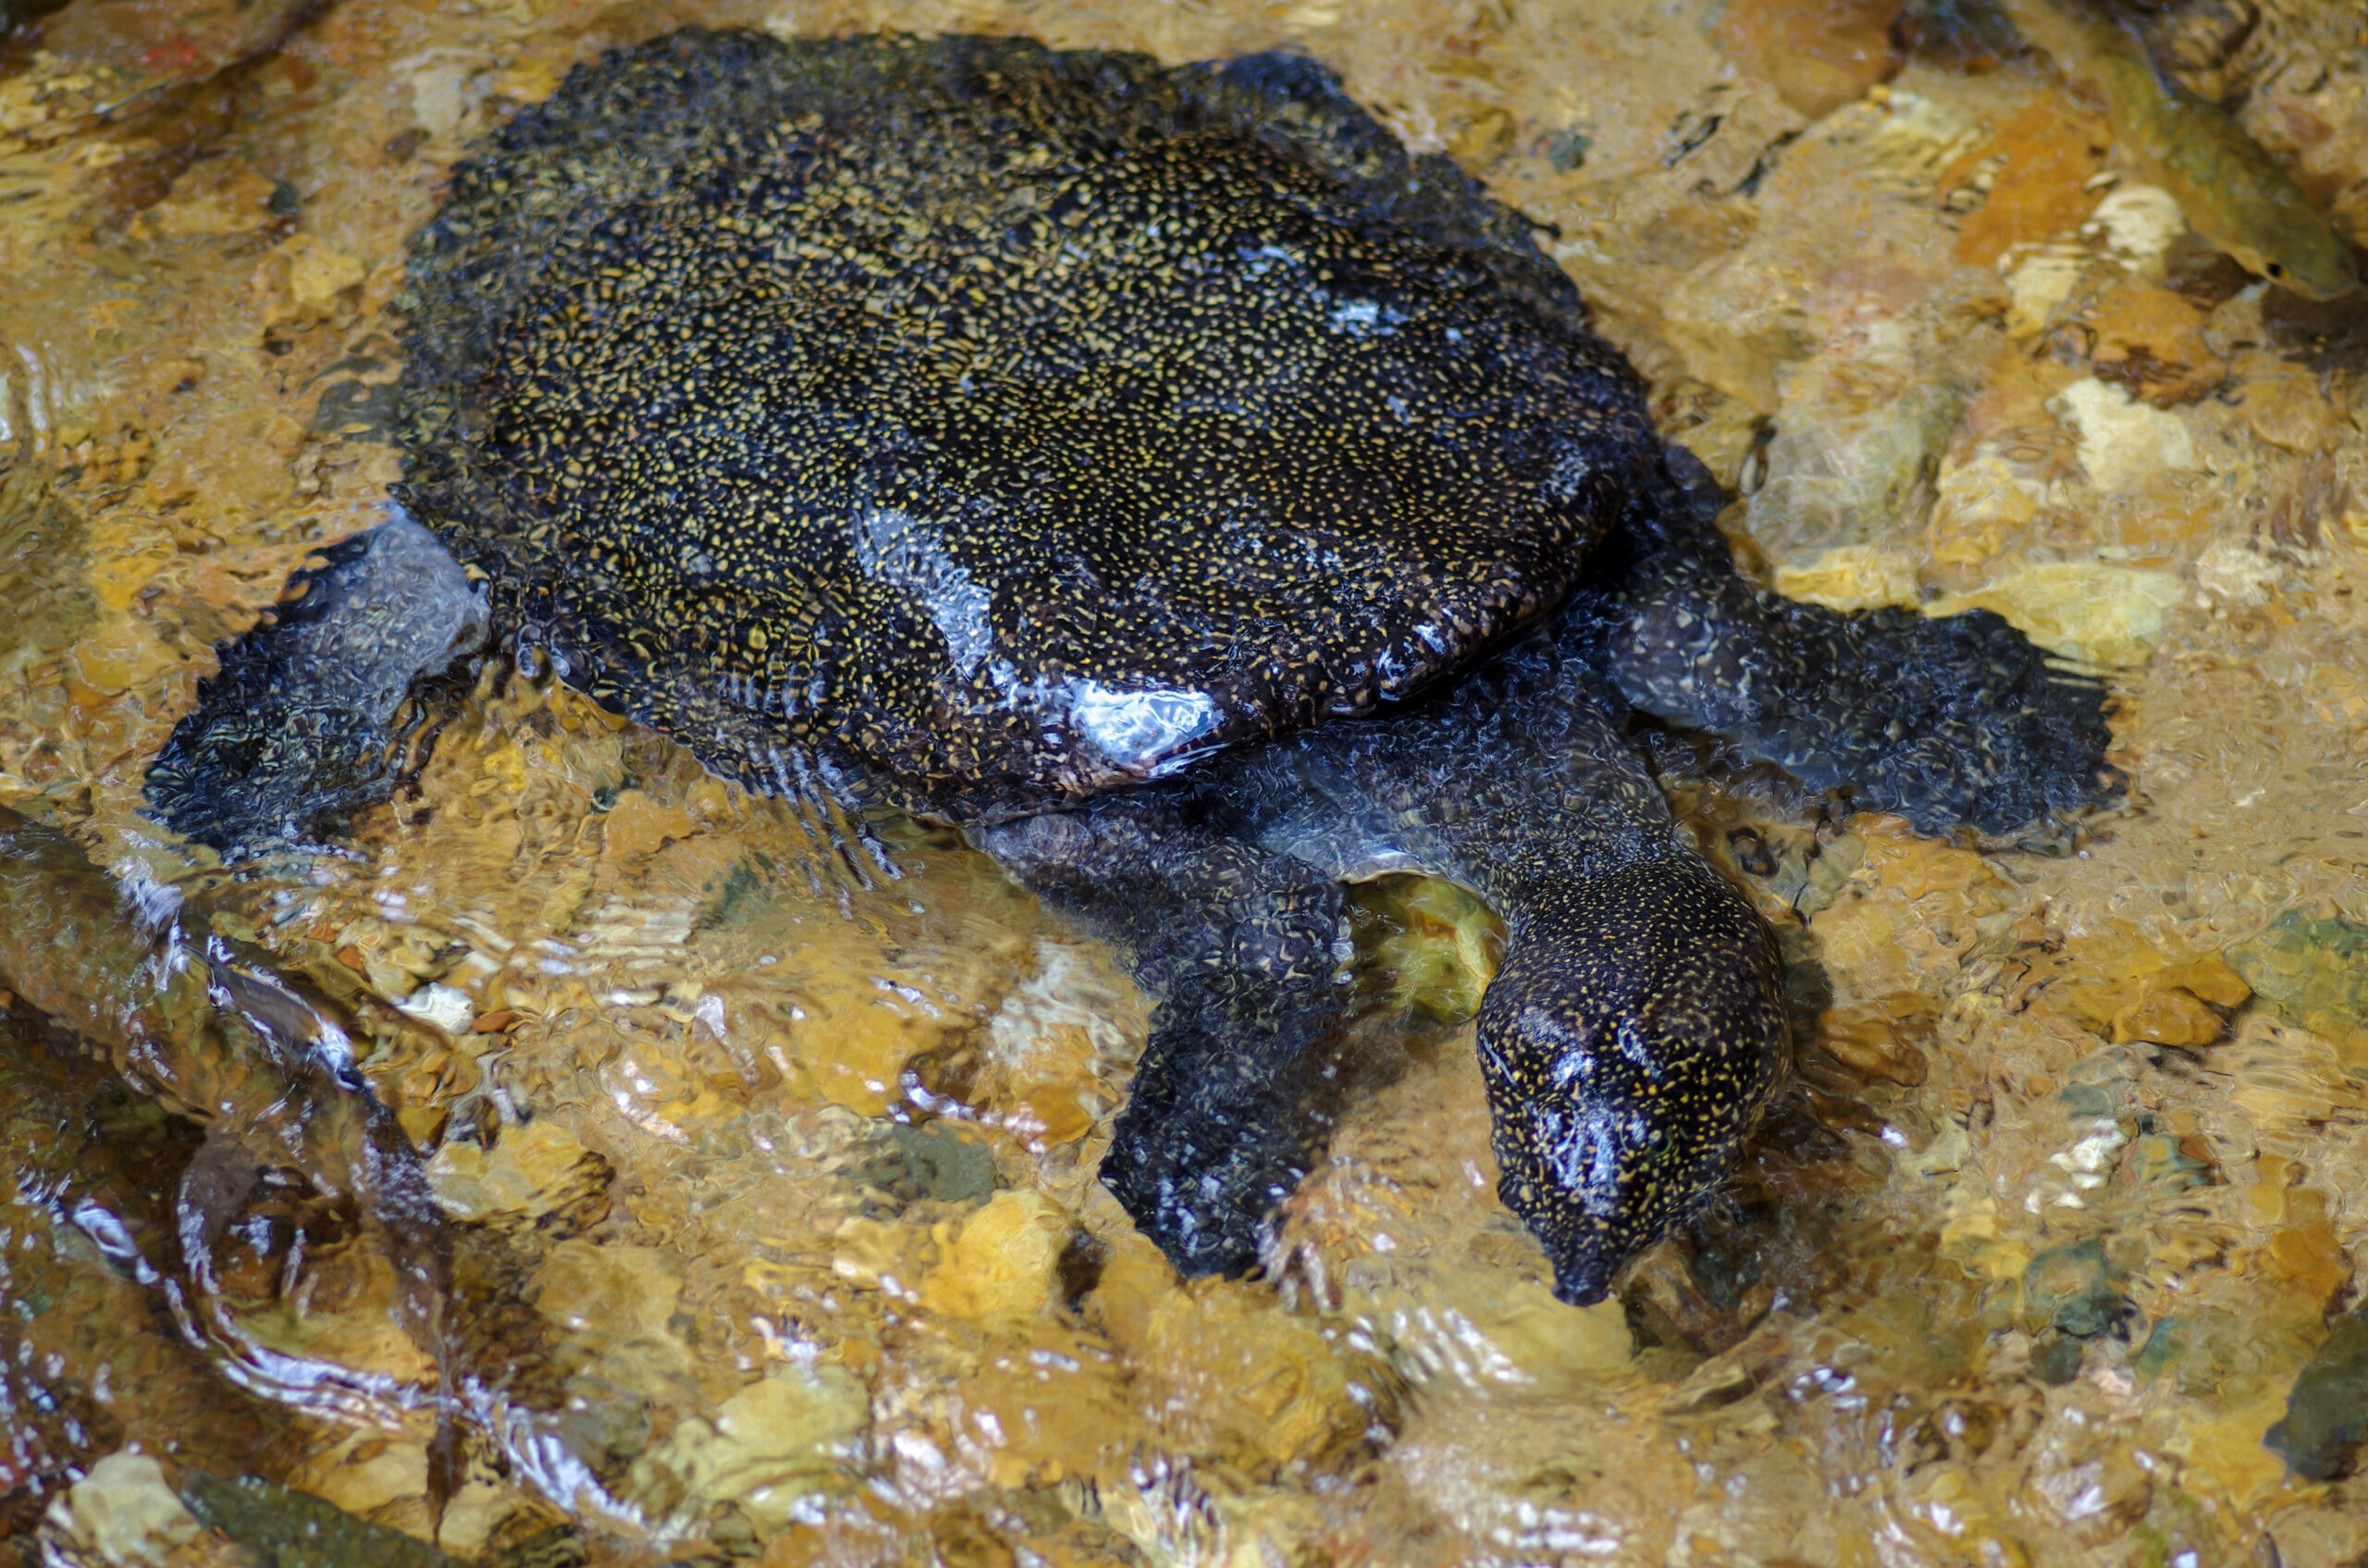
(1240,949)
(1636,1027)
(1946,720)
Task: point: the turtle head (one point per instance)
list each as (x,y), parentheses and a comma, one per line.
(1630,1040)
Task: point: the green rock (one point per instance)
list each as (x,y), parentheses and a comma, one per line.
(2055,1360)
(2314,971)
(2071,1289)
(1424,945)
(909,1164)
(2327,1414)
(42,569)
(293,1529)
(2163,1349)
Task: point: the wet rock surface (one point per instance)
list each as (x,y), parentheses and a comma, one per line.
(770,1184)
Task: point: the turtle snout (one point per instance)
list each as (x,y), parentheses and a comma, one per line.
(1584,1267)
(1595,1164)
(1583,1289)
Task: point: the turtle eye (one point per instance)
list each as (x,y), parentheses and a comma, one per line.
(2276,269)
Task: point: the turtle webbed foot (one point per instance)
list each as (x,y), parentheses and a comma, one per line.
(1949,721)
(319,710)
(1209,1143)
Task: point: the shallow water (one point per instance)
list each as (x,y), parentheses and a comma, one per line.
(772,1226)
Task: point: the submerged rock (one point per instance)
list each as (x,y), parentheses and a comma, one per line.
(122,1514)
(2326,1414)
(293,1529)
(2314,971)
(2103,616)
(768,1450)
(1820,53)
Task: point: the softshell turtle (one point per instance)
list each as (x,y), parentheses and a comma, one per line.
(1164,477)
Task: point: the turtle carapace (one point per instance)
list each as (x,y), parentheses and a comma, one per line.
(1160,474)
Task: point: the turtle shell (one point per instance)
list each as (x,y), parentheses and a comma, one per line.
(1005,424)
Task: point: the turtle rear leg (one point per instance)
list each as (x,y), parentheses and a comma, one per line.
(320,710)
(333,703)
(1948,720)
(1239,948)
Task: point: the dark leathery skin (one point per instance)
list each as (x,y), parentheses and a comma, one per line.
(1010,425)
(1629,1042)
(1016,436)
(1240,947)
